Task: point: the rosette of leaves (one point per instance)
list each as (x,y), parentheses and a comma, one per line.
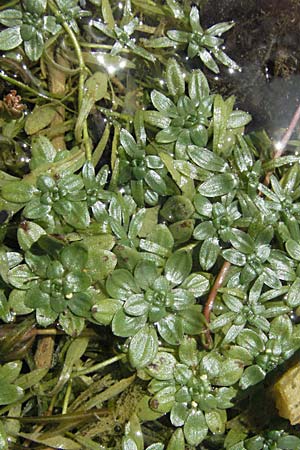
(59,199)
(143,173)
(196,389)
(270,440)
(58,281)
(280,204)
(123,35)
(185,120)
(28,25)
(217,221)
(97,197)
(70,12)
(203,43)
(147,303)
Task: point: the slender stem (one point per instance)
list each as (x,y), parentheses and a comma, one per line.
(110,113)
(281,145)
(67,398)
(25,87)
(99,366)
(212,296)
(9,4)
(82,74)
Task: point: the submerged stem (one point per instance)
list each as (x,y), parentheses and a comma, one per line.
(212,296)
(99,366)
(82,73)
(281,145)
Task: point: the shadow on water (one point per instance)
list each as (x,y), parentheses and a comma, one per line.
(266,44)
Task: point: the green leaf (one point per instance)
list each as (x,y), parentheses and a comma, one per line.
(163,104)
(206,159)
(75,351)
(4,438)
(156,182)
(10,17)
(9,372)
(238,119)
(234,257)
(96,86)
(171,329)
(207,60)
(39,118)
(251,376)
(198,86)
(100,263)
(242,241)
(209,253)
(216,421)
(42,152)
(125,326)
(182,230)
(36,7)
(231,372)
(34,47)
(104,310)
(179,36)
(175,78)
(188,352)
(21,276)
(10,393)
(164,399)
(195,428)
(18,192)
(250,340)
(177,441)
(178,414)
(162,366)
(156,446)
(293,249)
(71,324)
(28,233)
(143,347)
(178,266)
(10,38)
(16,302)
(78,215)
(45,315)
(288,442)
(177,207)
(197,284)
(192,319)
(120,284)
(293,298)
(218,185)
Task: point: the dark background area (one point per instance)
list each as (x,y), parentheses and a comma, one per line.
(265,42)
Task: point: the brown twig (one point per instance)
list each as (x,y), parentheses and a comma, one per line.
(212,296)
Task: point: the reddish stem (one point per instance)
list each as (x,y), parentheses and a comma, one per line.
(286,137)
(212,296)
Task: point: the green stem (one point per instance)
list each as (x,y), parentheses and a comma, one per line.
(110,113)
(67,398)
(19,84)
(99,366)
(82,73)
(9,4)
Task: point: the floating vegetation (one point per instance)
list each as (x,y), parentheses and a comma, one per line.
(149,257)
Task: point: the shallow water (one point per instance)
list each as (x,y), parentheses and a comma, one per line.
(265,42)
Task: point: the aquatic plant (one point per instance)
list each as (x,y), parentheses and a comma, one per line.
(149,258)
